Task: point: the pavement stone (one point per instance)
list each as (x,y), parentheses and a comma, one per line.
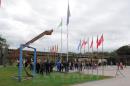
(119,80)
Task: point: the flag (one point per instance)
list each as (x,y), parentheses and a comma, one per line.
(91,46)
(60,24)
(68,14)
(79,46)
(84,43)
(101,40)
(97,42)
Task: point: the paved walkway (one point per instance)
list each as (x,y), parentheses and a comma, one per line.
(119,80)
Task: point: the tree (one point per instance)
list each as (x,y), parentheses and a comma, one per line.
(3,50)
(124,50)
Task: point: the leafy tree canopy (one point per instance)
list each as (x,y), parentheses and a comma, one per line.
(124,50)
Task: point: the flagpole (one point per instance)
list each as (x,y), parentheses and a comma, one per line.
(67,43)
(92,58)
(88,45)
(61,42)
(67,28)
(97,55)
(102,58)
(84,49)
(67,23)
(88,52)
(80,47)
(97,63)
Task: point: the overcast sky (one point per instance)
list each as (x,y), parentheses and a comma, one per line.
(21,20)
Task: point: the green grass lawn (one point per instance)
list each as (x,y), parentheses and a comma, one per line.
(54,79)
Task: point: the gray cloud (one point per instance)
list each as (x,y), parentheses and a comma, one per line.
(21,20)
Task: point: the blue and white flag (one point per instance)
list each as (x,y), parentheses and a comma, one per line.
(79,46)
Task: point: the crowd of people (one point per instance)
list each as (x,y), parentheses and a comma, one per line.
(46,66)
(120,66)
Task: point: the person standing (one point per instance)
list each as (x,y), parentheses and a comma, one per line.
(121,65)
(47,67)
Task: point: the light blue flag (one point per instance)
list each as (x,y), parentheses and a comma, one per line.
(79,46)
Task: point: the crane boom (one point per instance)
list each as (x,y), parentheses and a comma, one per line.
(47,32)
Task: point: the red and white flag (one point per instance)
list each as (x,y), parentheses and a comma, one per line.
(101,40)
(84,43)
